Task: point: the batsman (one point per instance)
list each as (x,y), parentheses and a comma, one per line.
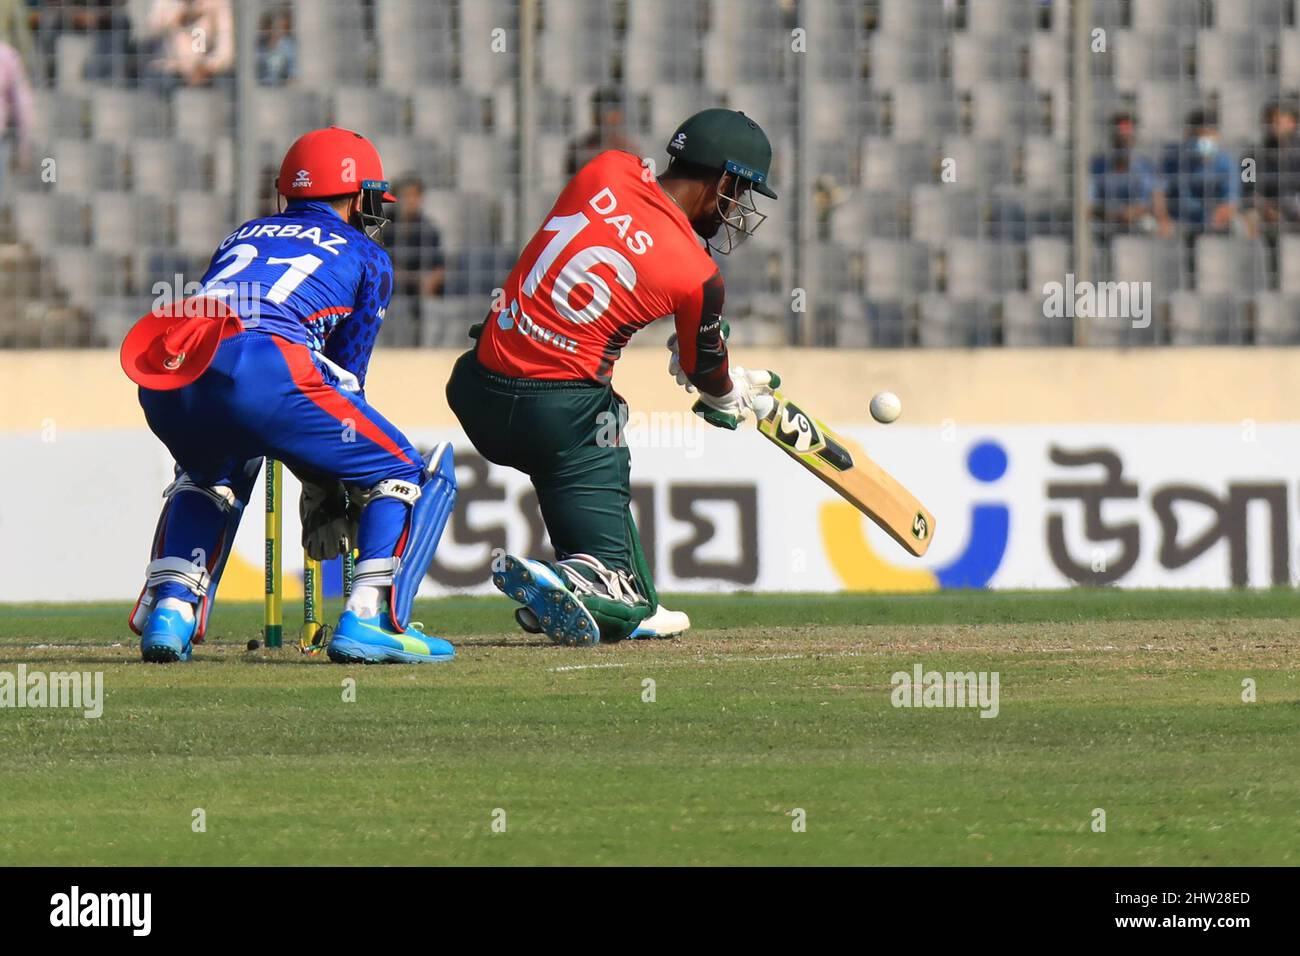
(269,359)
(619,249)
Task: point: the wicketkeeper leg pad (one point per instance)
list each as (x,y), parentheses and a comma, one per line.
(198,577)
(430,506)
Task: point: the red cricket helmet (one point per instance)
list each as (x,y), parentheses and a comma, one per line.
(174,344)
(337,162)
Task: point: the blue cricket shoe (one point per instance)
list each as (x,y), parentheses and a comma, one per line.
(554,609)
(168,637)
(373,640)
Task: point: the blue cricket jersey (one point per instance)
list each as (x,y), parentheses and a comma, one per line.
(308,277)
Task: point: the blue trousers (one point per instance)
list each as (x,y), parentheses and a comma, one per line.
(263,396)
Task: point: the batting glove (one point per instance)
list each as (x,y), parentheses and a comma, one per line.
(751,391)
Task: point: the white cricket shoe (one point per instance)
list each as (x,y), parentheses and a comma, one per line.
(662,623)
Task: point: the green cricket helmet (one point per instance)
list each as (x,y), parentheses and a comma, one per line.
(730,142)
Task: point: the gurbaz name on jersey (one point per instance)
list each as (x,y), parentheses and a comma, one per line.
(604,203)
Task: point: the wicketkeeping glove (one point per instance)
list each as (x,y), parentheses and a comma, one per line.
(750,391)
(329,519)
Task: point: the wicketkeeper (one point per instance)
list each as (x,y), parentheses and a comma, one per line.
(270,359)
(618,250)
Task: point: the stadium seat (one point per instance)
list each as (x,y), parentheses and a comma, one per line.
(922,110)
(83,166)
(444,321)
(416,44)
(373,111)
(465,219)
(1289,58)
(62,115)
(756,54)
(891,165)
(907,17)
(1141,259)
(200,115)
(1046,164)
(1263,17)
(981,164)
(577,43)
(1047,259)
(478,270)
(1277,319)
(43,220)
(1005,110)
(1227,264)
(999,18)
(871,215)
(1025,326)
(895,269)
(1162,56)
(272,105)
(1240,102)
(122,220)
(124,116)
(160,168)
(1288,264)
(976,267)
(437,112)
(1048,60)
(1227,57)
(483,162)
(90,275)
(1196,319)
(950,323)
(1160,110)
(71,52)
(1151,15)
(666,43)
(943,212)
(202,219)
(981,59)
(908,58)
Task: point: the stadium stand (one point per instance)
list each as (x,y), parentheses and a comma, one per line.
(924,154)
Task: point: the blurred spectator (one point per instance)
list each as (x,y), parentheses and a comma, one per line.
(414,244)
(610,130)
(415,247)
(15,30)
(1201,178)
(1274,197)
(114,57)
(277,54)
(195,41)
(1124,190)
(17,114)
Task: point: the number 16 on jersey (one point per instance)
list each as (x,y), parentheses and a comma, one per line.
(854,476)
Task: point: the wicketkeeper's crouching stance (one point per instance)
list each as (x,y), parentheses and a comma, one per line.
(269,359)
(618,250)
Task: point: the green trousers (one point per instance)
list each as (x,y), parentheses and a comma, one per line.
(567,437)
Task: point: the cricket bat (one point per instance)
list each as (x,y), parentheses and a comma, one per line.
(854,476)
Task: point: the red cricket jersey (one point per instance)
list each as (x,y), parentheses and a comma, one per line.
(614,254)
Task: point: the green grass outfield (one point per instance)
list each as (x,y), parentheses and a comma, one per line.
(1126,701)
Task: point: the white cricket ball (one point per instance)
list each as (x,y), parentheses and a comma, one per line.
(886,407)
